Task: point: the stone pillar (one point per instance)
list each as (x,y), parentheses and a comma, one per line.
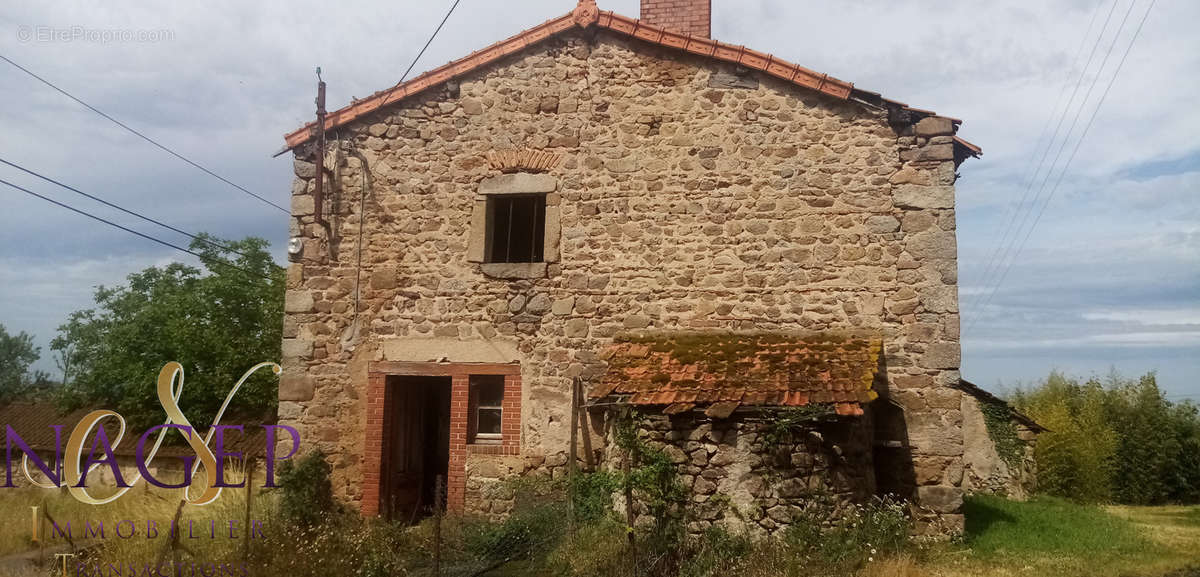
(923,360)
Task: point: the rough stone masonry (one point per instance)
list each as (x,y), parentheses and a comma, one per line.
(681,194)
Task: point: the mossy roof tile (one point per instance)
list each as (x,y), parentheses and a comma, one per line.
(762,369)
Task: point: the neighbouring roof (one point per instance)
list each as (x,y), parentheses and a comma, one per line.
(585,15)
(986,397)
(34,422)
(723,371)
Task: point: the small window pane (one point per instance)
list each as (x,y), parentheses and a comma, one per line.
(489,421)
(487,400)
(489,390)
(516,228)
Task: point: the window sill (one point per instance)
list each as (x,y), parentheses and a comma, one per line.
(518,270)
(475,449)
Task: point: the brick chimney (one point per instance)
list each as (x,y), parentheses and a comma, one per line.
(688,16)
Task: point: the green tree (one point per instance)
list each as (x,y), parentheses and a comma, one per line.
(1184,482)
(1096,445)
(1148,452)
(217,322)
(17,354)
(1075,456)
(1117,440)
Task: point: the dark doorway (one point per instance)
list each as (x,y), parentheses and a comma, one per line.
(416,447)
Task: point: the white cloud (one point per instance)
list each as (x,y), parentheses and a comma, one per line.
(1181,316)
(1119,238)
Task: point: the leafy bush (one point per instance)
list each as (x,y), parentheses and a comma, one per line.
(524,533)
(306,491)
(715,553)
(592,495)
(852,536)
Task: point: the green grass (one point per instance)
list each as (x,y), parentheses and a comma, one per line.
(996,526)
(1048,536)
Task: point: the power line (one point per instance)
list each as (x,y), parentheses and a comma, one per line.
(996,259)
(421,53)
(140,135)
(202,258)
(1087,127)
(1030,174)
(211,243)
(1002,264)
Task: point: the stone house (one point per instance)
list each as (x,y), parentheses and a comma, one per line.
(576,204)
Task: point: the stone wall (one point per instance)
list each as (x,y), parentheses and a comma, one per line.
(985,471)
(690,195)
(745,474)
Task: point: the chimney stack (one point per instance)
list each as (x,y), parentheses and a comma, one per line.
(688,16)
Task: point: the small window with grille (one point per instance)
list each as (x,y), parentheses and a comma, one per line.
(516,228)
(486,409)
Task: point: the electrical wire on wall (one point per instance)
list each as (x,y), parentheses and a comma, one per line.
(350,336)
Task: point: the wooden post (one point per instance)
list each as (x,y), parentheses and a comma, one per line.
(572,455)
(439,483)
(249,478)
(627,468)
(587,430)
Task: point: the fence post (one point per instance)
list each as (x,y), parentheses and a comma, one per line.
(586,429)
(627,469)
(439,483)
(572,455)
(249,478)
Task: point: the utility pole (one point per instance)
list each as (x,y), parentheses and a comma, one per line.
(318,200)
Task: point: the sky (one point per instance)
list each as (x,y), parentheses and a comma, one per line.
(1102,272)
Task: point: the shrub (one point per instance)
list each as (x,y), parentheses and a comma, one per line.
(598,548)
(306,490)
(714,553)
(522,535)
(592,495)
(851,537)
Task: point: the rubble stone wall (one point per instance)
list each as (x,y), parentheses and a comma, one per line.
(689,196)
(748,475)
(985,470)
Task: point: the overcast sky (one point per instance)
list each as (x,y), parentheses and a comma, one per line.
(1109,277)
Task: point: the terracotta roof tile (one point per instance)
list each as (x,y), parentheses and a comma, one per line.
(757,369)
(586,15)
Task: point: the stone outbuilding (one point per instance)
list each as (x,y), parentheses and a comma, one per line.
(492,232)
(998,445)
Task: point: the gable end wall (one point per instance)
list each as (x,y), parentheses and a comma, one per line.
(685,202)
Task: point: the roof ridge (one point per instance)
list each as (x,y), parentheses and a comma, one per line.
(584,15)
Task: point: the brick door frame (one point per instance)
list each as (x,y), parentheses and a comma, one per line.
(378,426)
